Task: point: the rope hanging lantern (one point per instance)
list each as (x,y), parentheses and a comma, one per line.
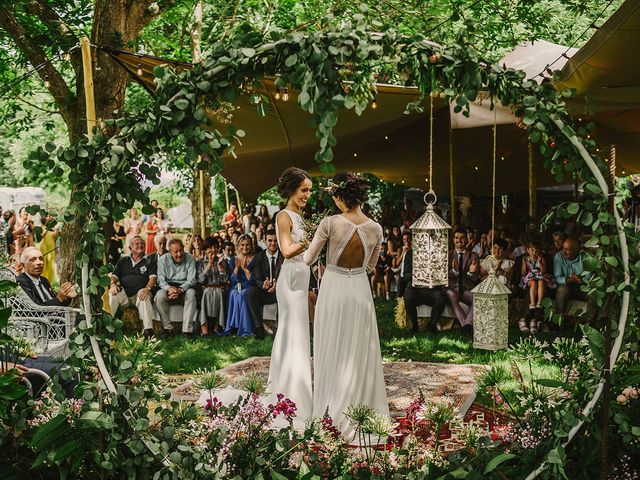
(491,296)
(430,234)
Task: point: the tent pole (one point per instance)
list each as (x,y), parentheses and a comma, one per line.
(533,198)
(203,222)
(238,200)
(452,183)
(87,73)
(226,194)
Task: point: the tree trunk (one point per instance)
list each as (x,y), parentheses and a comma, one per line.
(115,23)
(194,196)
(199,190)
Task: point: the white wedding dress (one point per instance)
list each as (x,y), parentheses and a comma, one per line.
(346,351)
(290,369)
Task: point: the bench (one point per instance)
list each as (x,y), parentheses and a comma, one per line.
(47,328)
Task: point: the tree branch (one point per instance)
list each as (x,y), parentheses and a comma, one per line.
(38,58)
(50,18)
(53,112)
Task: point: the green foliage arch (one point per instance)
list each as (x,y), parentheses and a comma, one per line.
(334,70)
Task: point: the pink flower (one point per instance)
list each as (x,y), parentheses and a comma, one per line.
(622,399)
(284,407)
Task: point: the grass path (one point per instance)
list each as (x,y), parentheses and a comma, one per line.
(186,355)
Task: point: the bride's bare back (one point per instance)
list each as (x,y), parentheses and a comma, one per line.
(351,245)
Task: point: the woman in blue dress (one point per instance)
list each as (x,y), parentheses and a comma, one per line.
(238,317)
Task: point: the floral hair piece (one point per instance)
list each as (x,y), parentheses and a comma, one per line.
(332,187)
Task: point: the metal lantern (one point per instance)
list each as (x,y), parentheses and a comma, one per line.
(430,240)
(491,314)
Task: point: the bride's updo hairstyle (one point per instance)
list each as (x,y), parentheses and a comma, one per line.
(290,180)
(350,188)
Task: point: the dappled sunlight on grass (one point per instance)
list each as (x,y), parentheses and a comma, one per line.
(186,355)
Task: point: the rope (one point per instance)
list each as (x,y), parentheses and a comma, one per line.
(573,44)
(430,142)
(493,177)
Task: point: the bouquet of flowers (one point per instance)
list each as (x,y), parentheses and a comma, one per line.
(311,224)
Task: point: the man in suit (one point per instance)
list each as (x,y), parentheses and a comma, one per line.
(264,269)
(404,260)
(38,287)
(464,274)
(416,296)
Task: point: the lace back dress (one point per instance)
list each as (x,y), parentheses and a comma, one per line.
(290,368)
(346,351)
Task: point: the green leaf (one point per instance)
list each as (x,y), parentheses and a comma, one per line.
(66,449)
(182,103)
(596,342)
(586,218)
(49,432)
(277,476)
(117,149)
(97,420)
(291,60)
(613,261)
(497,461)
(552,383)
(248,52)
(573,208)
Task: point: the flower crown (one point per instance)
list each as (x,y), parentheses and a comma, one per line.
(332,187)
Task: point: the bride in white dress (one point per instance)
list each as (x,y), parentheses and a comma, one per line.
(290,369)
(346,351)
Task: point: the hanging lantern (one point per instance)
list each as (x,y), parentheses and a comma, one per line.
(491,314)
(430,240)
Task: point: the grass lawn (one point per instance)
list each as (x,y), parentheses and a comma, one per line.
(185,355)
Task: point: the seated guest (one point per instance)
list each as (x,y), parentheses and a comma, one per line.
(536,281)
(464,271)
(38,287)
(558,240)
(238,315)
(264,269)
(483,247)
(498,263)
(212,277)
(132,282)
(382,272)
(404,264)
(416,296)
(177,281)
(567,270)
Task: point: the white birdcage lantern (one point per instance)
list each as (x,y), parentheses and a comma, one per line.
(491,314)
(430,240)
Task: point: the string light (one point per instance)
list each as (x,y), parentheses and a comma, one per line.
(285,95)
(402,179)
(47,83)
(277,95)
(386,137)
(374,104)
(476,168)
(67,57)
(139,71)
(355,154)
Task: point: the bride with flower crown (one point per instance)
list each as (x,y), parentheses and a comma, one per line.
(346,349)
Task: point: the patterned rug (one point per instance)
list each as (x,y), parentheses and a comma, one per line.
(404,380)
